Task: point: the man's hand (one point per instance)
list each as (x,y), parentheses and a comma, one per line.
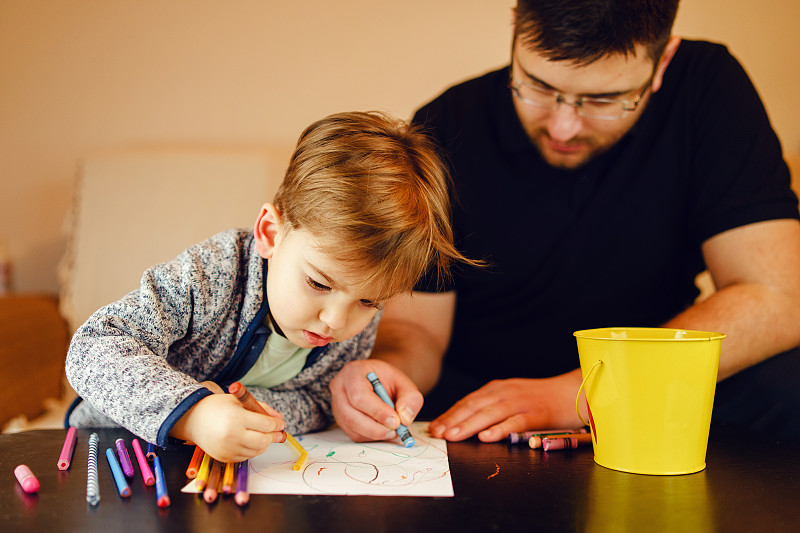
(360,412)
(512,405)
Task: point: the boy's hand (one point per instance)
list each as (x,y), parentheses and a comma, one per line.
(228,432)
(360,413)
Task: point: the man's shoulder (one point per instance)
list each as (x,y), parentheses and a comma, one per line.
(697,55)
(463,95)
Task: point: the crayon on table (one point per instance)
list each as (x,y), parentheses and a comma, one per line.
(67,450)
(536,440)
(162,498)
(144,466)
(194,464)
(402,431)
(119,478)
(566,443)
(202,473)
(26,479)
(524,436)
(210,493)
(92,484)
(242,496)
(151,451)
(228,478)
(124,459)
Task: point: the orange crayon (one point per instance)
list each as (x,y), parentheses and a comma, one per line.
(194,464)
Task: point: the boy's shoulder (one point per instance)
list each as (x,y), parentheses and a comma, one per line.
(230,243)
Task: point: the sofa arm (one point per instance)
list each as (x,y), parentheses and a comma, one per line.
(33,348)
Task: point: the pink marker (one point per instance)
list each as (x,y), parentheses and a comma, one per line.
(69,446)
(144,466)
(124,459)
(26,478)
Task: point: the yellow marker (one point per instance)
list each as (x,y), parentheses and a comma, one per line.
(202,473)
(227,480)
(299,449)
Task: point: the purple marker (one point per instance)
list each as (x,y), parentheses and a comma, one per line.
(124,459)
(242,496)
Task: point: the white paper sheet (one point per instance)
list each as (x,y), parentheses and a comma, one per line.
(338,466)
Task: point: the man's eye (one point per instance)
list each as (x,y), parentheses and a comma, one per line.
(316,285)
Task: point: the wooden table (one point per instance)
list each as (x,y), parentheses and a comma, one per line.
(748,485)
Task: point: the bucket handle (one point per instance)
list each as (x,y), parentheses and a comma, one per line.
(578,397)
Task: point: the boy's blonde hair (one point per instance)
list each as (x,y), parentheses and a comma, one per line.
(373,193)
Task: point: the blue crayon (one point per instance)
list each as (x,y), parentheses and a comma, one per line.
(162,498)
(151,451)
(119,477)
(402,431)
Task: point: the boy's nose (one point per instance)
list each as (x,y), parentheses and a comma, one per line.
(334,316)
(564,123)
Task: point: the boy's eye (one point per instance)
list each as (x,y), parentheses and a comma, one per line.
(370,303)
(316,285)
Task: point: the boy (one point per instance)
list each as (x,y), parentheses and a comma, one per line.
(361,215)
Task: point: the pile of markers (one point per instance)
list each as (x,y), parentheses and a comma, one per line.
(213,477)
(552,439)
(120,465)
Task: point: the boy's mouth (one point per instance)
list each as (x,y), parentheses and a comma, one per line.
(316,340)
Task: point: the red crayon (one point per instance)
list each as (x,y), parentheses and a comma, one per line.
(566,442)
(26,479)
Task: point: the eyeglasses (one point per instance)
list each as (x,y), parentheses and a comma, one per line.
(585,106)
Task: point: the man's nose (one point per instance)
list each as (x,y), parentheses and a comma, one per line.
(564,122)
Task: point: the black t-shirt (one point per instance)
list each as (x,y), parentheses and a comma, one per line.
(615,243)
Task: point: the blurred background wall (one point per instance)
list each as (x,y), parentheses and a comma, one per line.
(77,77)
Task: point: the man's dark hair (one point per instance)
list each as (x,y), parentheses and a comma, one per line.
(583,31)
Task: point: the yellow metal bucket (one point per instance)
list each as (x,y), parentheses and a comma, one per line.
(650,393)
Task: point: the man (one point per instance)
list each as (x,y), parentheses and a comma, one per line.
(597,175)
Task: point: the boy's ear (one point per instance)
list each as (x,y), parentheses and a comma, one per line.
(267,227)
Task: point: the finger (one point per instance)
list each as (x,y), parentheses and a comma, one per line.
(262,423)
(361,427)
(408,399)
(364,400)
(448,424)
(486,417)
(500,431)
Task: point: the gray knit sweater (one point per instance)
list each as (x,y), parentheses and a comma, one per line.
(137,362)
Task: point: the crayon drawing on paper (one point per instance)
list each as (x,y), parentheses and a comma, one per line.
(338,466)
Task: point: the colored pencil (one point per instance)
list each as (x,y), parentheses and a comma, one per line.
(242,496)
(194,464)
(162,498)
(144,466)
(69,447)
